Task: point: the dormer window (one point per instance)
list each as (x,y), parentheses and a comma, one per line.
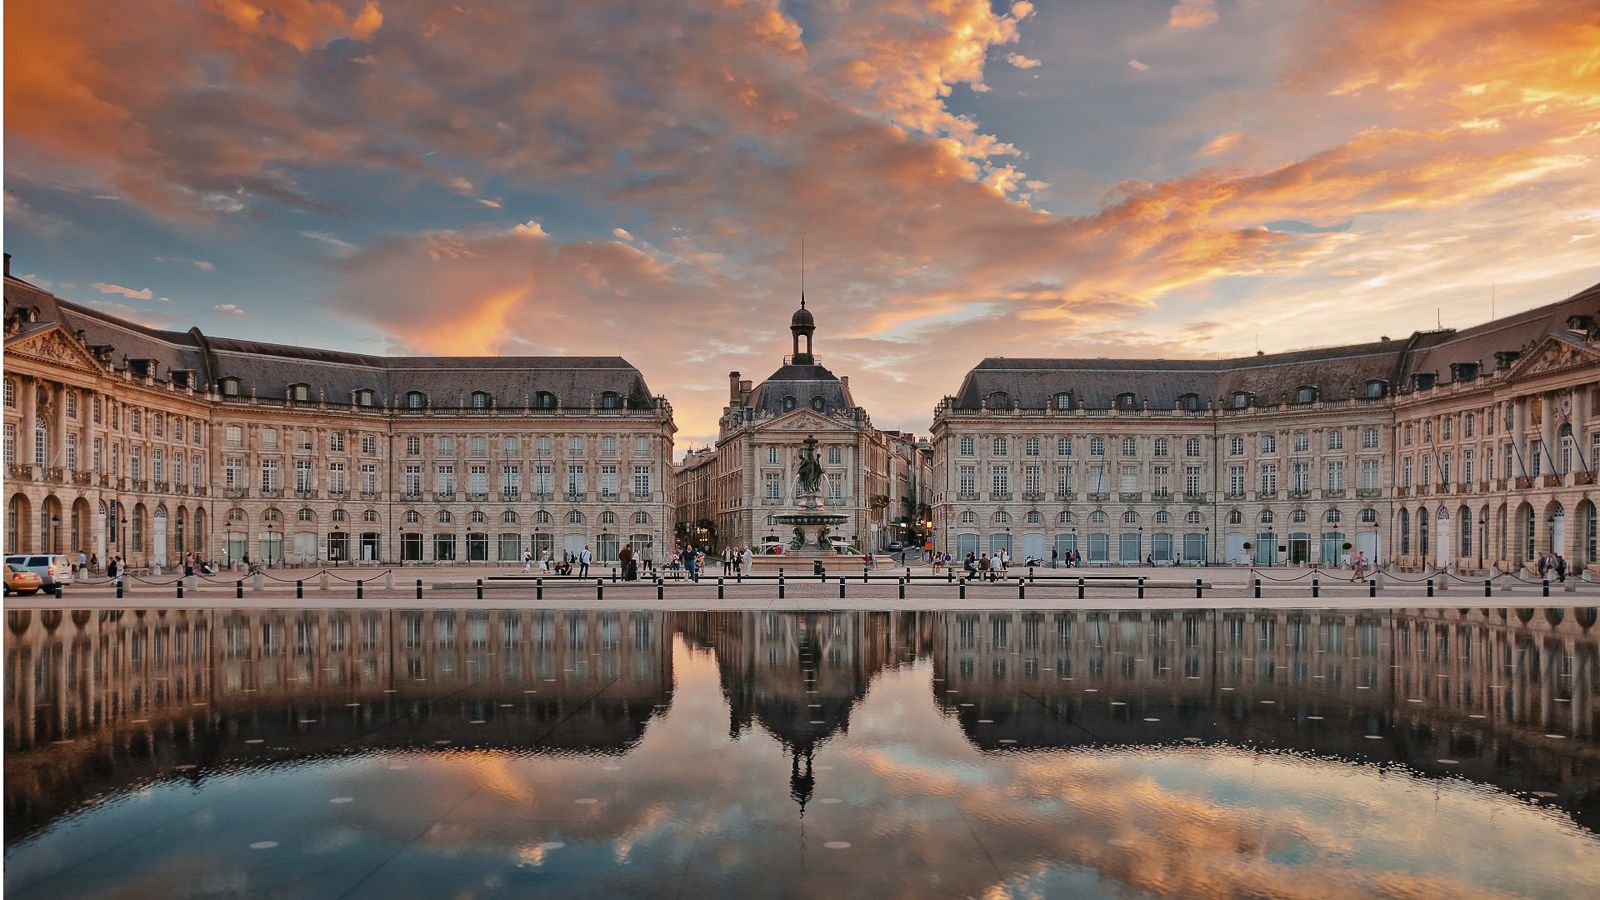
(1377,388)
(1064,401)
(182,377)
(480,400)
(364,397)
(1126,401)
(229,387)
(817,403)
(415,400)
(1241,400)
(610,400)
(544,400)
(1306,394)
(789,404)
(300,393)
(144,368)
(1189,402)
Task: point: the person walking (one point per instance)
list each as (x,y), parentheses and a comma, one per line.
(689,564)
(583,561)
(1358,567)
(527,561)
(1561,567)
(625,557)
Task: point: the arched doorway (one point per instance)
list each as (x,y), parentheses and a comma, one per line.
(1422,536)
(82,536)
(200,533)
(1522,552)
(158,536)
(50,525)
(1442,539)
(1584,548)
(137,532)
(1555,517)
(180,538)
(19,516)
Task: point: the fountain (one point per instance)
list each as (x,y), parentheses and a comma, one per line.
(811,526)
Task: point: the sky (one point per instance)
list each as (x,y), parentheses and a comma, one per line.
(1143,178)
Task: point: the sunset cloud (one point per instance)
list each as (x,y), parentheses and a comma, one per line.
(229,309)
(366,139)
(130,293)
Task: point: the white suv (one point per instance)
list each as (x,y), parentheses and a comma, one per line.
(52,570)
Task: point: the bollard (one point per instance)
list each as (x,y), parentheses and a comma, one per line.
(419,588)
(1030,573)
(908,571)
(661,590)
(361,589)
(1545,589)
(238,589)
(841,587)
(180,589)
(963,594)
(324,581)
(613,574)
(1430,587)
(388,579)
(1080,588)
(863,576)
(949,575)
(1022,589)
(1199,592)
(1372,587)
(538,589)
(780,584)
(599,588)
(1258,589)
(1488,588)
(299,589)
(719,589)
(119,589)
(902,589)
(1141,587)
(480,588)
(1316,589)
(58,592)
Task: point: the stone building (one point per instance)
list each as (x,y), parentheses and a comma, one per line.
(748,477)
(149,443)
(1286,458)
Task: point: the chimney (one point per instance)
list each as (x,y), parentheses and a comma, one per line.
(746,387)
(845,379)
(733,387)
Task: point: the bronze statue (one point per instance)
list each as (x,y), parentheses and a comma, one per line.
(810,467)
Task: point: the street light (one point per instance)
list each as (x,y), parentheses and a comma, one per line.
(55,528)
(124,537)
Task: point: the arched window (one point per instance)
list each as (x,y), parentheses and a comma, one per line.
(413,517)
(969,518)
(1064,401)
(1193,518)
(541,518)
(370,515)
(1298,516)
(610,400)
(1235,517)
(1130,518)
(607,517)
(1127,400)
(544,400)
(1241,400)
(272,514)
(444,517)
(509,517)
(1306,394)
(1189,402)
(1002,518)
(575,518)
(364,397)
(1369,516)
(1034,518)
(1162,518)
(228,387)
(789,403)
(1065,518)
(1333,517)
(999,400)
(236,515)
(415,400)
(306,515)
(1405,531)
(339,515)
(641,518)
(1376,388)
(300,393)
(480,400)
(1098,517)
(1266,517)
(477,517)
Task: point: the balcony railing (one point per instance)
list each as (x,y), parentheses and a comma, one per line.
(609,496)
(1129,496)
(200,490)
(1194,496)
(55,475)
(771,501)
(1300,494)
(20,471)
(1032,496)
(966,496)
(272,493)
(161,487)
(1233,495)
(371,495)
(576,496)
(1098,496)
(305,494)
(477,496)
(411,496)
(1333,494)
(510,495)
(1368,493)
(641,496)
(541,496)
(834,501)
(1552,480)
(1000,496)
(444,496)
(1161,495)
(1066,496)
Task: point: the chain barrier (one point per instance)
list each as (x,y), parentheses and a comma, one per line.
(1257,572)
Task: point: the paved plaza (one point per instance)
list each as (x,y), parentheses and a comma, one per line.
(1108,587)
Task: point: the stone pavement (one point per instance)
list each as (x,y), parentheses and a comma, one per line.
(1165,588)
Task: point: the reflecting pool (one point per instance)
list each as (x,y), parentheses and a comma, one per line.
(467,753)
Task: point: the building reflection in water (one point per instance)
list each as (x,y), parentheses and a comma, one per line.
(99,703)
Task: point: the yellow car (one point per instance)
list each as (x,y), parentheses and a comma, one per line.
(21,581)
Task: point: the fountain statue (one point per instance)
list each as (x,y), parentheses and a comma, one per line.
(811,525)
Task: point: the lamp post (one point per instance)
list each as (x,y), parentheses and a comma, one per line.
(55,537)
(1483,535)
(124,536)
(1137,557)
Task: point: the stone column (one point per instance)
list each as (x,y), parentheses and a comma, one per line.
(29,388)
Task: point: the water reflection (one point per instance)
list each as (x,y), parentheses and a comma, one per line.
(1065,740)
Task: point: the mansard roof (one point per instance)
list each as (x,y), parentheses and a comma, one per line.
(269,369)
(804,383)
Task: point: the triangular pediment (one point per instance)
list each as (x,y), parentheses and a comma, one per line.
(1556,353)
(54,345)
(803,420)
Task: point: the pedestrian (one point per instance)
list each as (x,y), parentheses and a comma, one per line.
(527,561)
(583,561)
(971,564)
(1561,567)
(1055,556)
(690,566)
(1149,560)
(625,557)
